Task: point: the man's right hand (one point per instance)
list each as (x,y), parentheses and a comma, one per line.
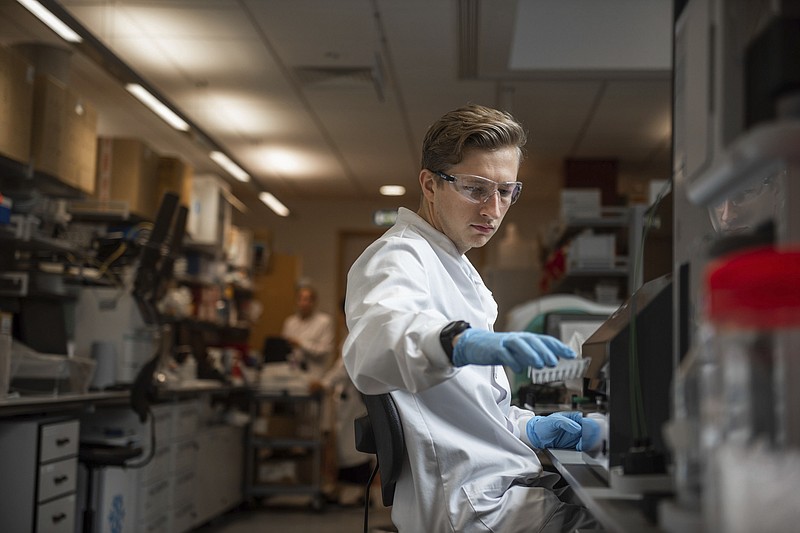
(516,349)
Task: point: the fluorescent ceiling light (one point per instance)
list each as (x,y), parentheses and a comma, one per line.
(53,22)
(230,167)
(274,204)
(393,190)
(233,200)
(157,107)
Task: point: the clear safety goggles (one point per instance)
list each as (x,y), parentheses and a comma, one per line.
(478,189)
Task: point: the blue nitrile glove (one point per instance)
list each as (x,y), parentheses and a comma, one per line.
(516,349)
(553,431)
(588,438)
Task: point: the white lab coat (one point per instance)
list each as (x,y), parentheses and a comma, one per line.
(469,465)
(315,334)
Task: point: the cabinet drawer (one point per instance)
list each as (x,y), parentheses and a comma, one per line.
(58,440)
(184,455)
(183,518)
(186,420)
(159,524)
(162,418)
(159,467)
(57,478)
(154,499)
(57,516)
(183,488)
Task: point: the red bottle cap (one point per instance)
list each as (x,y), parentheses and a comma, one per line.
(756,289)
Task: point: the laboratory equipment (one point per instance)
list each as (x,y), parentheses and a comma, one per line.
(631,368)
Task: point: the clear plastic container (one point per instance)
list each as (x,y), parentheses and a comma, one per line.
(695,374)
(749,405)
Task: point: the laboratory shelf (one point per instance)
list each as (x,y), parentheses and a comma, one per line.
(295,422)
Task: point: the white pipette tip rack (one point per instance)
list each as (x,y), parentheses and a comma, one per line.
(564,370)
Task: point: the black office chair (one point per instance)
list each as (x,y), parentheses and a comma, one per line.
(95,457)
(380,432)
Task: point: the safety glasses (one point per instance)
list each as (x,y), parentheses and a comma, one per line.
(478,189)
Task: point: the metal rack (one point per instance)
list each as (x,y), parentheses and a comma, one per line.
(285,446)
(628,223)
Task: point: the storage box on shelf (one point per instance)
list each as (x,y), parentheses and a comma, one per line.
(16,105)
(63,134)
(601,253)
(239,251)
(175,175)
(209,213)
(127,170)
(580,203)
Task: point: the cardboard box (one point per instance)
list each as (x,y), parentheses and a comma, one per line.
(592,251)
(63,134)
(16,105)
(580,203)
(174,175)
(239,251)
(127,170)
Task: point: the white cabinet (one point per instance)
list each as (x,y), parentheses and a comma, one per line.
(194,474)
(38,461)
(219,473)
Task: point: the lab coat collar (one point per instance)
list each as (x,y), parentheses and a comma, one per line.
(406,217)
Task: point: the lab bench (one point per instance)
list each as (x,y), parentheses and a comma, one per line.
(617,511)
(43,483)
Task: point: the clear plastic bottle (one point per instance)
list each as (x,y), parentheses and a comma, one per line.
(695,373)
(749,408)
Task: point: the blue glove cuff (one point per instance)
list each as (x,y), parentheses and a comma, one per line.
(590,435)
(532,436)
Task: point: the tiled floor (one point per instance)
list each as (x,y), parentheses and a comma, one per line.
(299,518)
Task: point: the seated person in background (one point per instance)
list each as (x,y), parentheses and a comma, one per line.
(420,322)
(310,333)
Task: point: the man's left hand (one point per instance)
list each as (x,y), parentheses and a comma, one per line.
(568,430)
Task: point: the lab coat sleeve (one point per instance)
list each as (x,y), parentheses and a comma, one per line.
(393,340)
(520,418)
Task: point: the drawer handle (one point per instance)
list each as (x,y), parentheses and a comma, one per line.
(59,517)
(60,479)
(63,441)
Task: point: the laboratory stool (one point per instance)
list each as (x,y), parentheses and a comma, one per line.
(380,432)
(97,456)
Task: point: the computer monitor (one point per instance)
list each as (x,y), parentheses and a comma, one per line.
(612,371)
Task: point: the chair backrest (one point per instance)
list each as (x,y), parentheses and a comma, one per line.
(381,433)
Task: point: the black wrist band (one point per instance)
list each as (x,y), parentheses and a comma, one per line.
(450,332)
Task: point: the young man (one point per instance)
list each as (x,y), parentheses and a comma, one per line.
(420,322)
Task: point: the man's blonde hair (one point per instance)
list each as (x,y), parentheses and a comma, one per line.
(468,127)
